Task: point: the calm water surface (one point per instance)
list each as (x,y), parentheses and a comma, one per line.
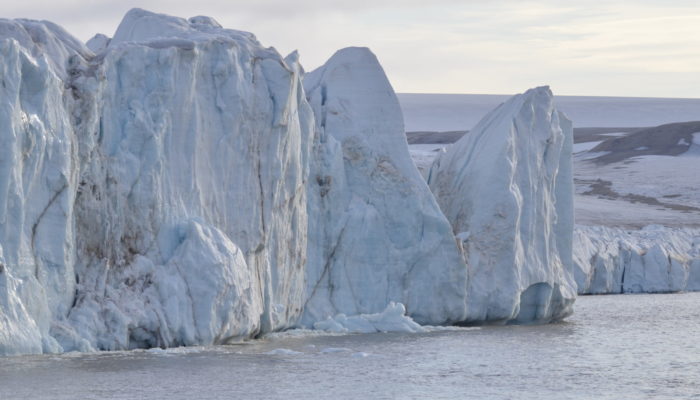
(614,347)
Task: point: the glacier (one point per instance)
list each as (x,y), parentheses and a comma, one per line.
(38,174)
(167,181)
(654,259)
(199,166)
(376,234)
(507,190)
(180,184)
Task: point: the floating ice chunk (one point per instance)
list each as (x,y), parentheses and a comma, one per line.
(284,352)
(330,350)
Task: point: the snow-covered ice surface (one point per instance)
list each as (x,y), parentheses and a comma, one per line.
(585,146)
(507,189)
(639,191)
(376,233)
(595,211)
(454,112)
(645,190)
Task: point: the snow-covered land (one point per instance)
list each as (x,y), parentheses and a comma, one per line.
(180,184)
(507,190)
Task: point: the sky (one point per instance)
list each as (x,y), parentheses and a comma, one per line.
(638,48)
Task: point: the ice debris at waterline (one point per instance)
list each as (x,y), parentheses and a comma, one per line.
(507,190)
(655,259)
(173,185)
(392,319)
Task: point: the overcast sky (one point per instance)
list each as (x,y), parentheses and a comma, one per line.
(648,48)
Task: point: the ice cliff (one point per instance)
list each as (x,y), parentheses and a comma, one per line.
(192,186)
(181,184)
(651,260)
(38,177)
(154,194)
(507,190)
(376,233)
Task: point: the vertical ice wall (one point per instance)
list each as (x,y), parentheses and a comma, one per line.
(38,175)
(191,208)
(178,188)
(506,188)
(153,195)
(376,234)
(651,260)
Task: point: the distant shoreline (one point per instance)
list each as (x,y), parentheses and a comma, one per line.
(460,112)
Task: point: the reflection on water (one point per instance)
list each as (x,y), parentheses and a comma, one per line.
(614,347)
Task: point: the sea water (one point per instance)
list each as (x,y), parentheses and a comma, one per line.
(613,347)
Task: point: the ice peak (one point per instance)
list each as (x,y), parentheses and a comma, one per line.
(163,30)
(357,85)
(98,43)
(204,20)
(353,55)
(541,94)
(540,90)
(44,38)
(141,25)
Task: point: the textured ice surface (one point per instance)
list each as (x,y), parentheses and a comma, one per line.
(38,174)
(156,194)
(376,233)
(153,195)
(651,260)
(507,190)
(193,188)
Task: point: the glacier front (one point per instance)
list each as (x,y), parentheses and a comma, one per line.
(507,190)
(158,187)
(655,259)
(376,234)
(180,184)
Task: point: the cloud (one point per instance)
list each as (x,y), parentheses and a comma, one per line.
(591,47)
